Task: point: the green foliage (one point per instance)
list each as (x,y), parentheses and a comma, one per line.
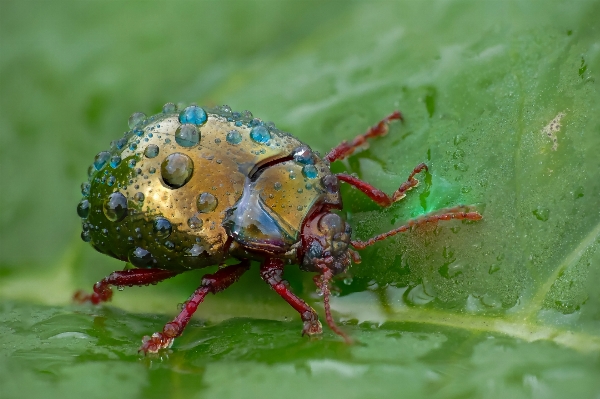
(501,101)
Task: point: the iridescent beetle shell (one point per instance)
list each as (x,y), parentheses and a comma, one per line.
(196,188)
(185,192)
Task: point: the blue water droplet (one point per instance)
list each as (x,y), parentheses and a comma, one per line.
(101,159)
(83,209)
(152,170)
(310,171)
(121,143)
(169,108)
(162,227)
(193,114)
(234,137)
(138,132)
(260,134)
(136,119)
(238,123)
(151,151)
(131,163)
(115,161)
(133,146)
(111,181)
(187,135)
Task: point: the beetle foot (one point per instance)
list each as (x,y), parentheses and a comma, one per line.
(155,343)
(312,325)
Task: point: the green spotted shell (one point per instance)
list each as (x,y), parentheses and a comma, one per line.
(190,189)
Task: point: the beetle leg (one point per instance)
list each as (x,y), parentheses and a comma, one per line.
(458,213)
(379,196)
(322,281)
(211,283)
(103,292)
(345,149)
(271,270)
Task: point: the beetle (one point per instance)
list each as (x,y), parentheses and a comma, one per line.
(189,189)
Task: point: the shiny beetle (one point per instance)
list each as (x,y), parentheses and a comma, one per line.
(199,187)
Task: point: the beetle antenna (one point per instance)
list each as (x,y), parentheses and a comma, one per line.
(458,213)
(322,282)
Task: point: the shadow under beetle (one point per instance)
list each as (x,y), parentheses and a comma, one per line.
(194,188)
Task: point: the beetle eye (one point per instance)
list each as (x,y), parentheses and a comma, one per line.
(331,184)
(331,224)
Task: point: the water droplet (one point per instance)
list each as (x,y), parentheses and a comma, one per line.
(310,171)
(260,134)
(194,222)
(169,245)
(115,161)
(131,163)
(187,135)
(195,250)
(142,258)
(151,151)
(541,213)
(152,170)
(162,227)
(85,189)
(299,207)
(115,207)
(83,209)
(111,181)
(101,159)
(348,280)
(136,119)
(193,114)
(169,108)
(133,146)
(176,170)
(277,186)
(85,236)
(138,132)
(234,137)
(139,197)
(292,176)
(206,202)
(217,141)
(246,115)
(304,155)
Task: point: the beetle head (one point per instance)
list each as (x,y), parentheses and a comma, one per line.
(325,241)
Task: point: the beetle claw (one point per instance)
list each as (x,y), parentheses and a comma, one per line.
(155,343)
(312,327)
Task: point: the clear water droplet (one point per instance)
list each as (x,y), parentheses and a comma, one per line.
(85,236)
(139,197)
(115,207)
(151,151)
(234,137)
(152,170)
(304,155)
(115,161)
(206,202)
(194,222)
(176,170)
(162,227)
(169,108)
(85,189)
(142,258)
(83,209)
(111,181)
(187,135)
(277,186)
(136,119)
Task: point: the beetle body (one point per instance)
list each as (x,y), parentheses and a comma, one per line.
(194,188)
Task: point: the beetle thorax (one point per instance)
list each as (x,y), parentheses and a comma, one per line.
(325,241)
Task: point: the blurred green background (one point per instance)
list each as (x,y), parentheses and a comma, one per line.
(507,307)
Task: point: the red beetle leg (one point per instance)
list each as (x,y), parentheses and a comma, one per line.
(272,272)
(103,292)
(379,196)
(345,149)
(458,213)
(211,283)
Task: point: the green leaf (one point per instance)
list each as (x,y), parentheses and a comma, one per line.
(500,100)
